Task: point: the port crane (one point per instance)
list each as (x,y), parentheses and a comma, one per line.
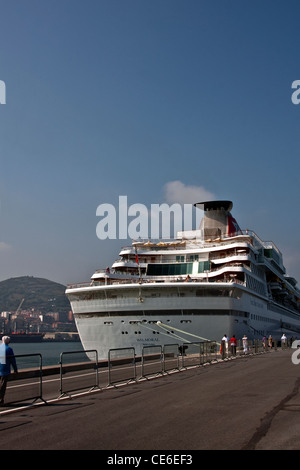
(19,307)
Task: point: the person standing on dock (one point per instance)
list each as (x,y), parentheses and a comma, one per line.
(233,345)
(283,341)
(225,339)
(7,359)
(245,344)
(270,341)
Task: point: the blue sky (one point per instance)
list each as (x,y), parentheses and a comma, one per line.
(123,97)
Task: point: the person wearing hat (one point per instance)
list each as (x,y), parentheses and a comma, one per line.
(7,359)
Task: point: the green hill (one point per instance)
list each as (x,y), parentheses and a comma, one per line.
(39,294)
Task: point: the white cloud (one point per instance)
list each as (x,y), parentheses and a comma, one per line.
(176,191)
(4,247)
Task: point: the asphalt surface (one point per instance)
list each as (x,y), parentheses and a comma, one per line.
(249,403)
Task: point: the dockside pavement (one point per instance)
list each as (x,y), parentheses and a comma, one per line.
(251,403)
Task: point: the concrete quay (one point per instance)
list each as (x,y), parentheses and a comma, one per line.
(247,403)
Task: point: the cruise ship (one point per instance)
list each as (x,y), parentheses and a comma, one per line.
(201,285)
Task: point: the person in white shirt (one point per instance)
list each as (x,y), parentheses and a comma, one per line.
(225,339)
(245,344)
(283,341)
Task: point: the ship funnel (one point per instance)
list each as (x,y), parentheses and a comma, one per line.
(217,220)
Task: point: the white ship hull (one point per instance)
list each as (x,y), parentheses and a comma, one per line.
(153,315)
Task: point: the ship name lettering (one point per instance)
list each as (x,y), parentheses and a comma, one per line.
(146,339)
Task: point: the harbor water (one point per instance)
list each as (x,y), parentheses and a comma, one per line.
(50,352)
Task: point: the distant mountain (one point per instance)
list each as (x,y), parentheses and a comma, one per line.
(40,294)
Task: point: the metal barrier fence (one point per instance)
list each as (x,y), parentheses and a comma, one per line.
(152,361)
(192,354)
(31,389)
(198,353)
(171,357)
(211,350)
(121,365)
(72,379)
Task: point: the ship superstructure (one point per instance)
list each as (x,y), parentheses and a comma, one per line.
(208,282)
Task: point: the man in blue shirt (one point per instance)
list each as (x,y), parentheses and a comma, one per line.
(7,359)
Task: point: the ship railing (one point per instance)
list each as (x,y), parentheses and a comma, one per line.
(254,236)
(174,243)
(79,284)
(231,254)
(158,280)
(170,260)
(178,243)
(227,266)
(156,246)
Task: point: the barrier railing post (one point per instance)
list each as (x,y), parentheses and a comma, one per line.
(121,356)
(153,356)
(170,351)
(208,351)
(223,349)
(215,349)
(84,386)
(202,353)
(30,373)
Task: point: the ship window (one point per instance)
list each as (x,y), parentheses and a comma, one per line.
(203,266)
(164,269)
(192,257)
(271,253)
